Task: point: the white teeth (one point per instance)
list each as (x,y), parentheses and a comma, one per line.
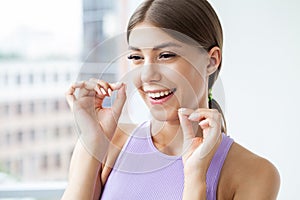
(159,94)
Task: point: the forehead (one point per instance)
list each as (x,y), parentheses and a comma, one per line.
(145,35)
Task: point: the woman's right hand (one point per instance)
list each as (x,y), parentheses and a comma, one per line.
(96,124)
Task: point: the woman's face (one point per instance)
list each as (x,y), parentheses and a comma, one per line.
(168,74)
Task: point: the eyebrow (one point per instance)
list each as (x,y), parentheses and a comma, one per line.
(160,46)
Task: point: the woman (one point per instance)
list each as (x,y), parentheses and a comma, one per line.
(183,152)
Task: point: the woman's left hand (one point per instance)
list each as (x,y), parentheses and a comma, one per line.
(199,150)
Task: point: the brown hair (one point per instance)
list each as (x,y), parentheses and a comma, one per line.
(193,18)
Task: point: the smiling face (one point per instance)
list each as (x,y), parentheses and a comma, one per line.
(169,74)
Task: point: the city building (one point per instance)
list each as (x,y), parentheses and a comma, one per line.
(37,134)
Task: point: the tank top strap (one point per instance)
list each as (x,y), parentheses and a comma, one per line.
(214,170)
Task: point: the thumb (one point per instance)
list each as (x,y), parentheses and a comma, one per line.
(186,126)
(119,102)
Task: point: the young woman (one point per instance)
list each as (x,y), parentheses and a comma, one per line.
(183,151)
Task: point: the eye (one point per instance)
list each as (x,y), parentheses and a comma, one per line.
(167,55)
(134,57)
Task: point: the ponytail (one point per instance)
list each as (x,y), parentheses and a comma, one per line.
(213,104)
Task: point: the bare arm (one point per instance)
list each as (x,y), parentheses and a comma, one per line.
(83,176)
(194,188)
(96,127)
(263,182)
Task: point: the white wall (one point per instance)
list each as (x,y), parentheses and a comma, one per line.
(261,76)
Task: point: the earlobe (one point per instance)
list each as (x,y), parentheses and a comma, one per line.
(215,58)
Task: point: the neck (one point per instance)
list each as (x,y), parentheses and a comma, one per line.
(167,136)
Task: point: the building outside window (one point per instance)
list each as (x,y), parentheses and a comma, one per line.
(37,127)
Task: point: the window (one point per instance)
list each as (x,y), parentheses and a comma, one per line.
(56,105)
(70,130)
(8,165)
(56,132)
(57,160)
(55,77)
(20,136)
(34,141)
(31,107)
(31,79)
(4,110)
(44,162)
(7,138)
(32,135)
(6,79)
(64,105)
(68,76)
(19,109)
(18,79)
(20,166)
(44,105)
(43,77)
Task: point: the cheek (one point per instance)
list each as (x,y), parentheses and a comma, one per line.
(192,87)
(192,76)
(135,78)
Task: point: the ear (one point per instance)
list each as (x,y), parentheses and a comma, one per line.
(215,58)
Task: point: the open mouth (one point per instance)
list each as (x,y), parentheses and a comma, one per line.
(160,96)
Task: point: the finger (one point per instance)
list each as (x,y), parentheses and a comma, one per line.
(210,138)
(186,126)
(208,145)
(93,86)
(204,124)
(203,113)
(119,101)
(108,88)
(70,97)
(116,86)
(213,123)
(209,118)
(87,89)
(195,143)
(210,123)
(104,87)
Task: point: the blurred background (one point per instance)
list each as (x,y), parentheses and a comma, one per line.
(44,44)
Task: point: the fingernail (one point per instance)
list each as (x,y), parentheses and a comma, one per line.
(193,116)
(97,90)
(118,84)
(109,91)
(181,110)
(78,83)
(125,87)
(103,91)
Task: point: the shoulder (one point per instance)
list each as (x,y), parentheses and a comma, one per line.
(122,133)
(251,176)
(120,137)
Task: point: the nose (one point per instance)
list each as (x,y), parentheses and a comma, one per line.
(150,73)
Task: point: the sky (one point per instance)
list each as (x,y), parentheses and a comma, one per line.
(37,28)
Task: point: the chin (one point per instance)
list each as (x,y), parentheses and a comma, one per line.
(164,115)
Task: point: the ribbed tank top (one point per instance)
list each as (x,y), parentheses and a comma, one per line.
(142,172)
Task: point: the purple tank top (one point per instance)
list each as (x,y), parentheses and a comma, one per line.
(141,172)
